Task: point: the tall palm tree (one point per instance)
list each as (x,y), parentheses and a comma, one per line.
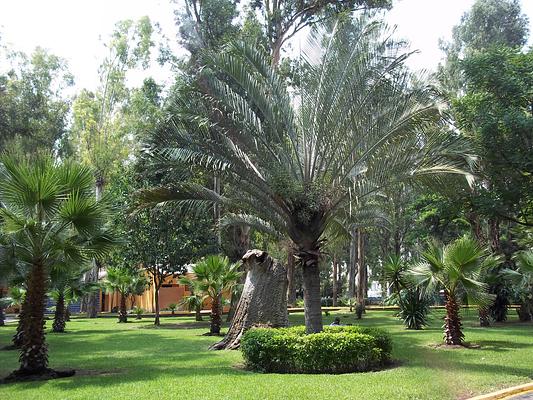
(127,282)
(456,268)
(356,124)
(213,276)
(51,217)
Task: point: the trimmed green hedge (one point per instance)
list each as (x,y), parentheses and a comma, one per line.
(335,350)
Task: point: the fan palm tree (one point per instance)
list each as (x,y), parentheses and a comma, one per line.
(456,268)
(194,301)
(355,125)
(522,277)
(213,276)
(127,282)
(67,286)
(52,219)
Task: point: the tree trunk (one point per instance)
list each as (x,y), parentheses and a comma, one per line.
(453,334)
(18,337)
(2,314)
(335,281)
(263,300)
(484,317)
(93,297)
(34,352)
(291,287)
(309,256)
(361,273)
(198,313)
(157,321)
(123,313)
(216,319)
(67,313)
(352,268)
(59,316)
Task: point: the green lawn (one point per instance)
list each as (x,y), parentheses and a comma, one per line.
(134,360)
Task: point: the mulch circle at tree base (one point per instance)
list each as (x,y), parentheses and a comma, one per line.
(21,376)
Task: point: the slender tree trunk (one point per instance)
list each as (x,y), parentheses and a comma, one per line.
(67,313)
(453,334)
(34,352)
(484,317)
(361,274)
(2,314)
(216,320)
(157,321)
(352,268)
(59,316)
(335,281)
(291,287)
(216,210)
(123,313)
(263,300)
(93,297)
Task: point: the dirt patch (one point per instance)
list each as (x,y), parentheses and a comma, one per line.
(455,346)
(191,325)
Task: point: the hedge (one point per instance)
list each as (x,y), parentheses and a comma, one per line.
(335,350)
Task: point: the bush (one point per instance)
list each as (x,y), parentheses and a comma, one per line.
(414,309)
(335,350)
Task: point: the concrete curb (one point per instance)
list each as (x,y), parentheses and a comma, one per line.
(505,393)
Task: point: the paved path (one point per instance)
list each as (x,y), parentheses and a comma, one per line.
(523,396)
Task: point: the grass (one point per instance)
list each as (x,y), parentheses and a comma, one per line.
(135,360)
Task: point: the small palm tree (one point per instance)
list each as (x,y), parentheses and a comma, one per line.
(193,302)
(51,217)
(523,280)
(457,269)
(138,311)
(172,307)
(126,281)
(213,276)
(67,285)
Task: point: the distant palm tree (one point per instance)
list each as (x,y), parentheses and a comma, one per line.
(522,278)
(456,268)
(126,281)
(357,123)
(213,276)
(193,302)
(51,217)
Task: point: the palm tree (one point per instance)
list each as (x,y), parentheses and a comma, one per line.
(358,123)
(213,276)
(127,282)
(194,301)
(52,219)
(67,286)
(456,268)
(522,277)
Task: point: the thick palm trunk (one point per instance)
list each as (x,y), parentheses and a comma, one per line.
(18,337)
(157,321)
(453,334)
(309,257)
(216,319)
(122,314)
(34,352)
(59,316)
(263,300)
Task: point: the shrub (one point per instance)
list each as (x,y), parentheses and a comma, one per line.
(335,350)
(414,309)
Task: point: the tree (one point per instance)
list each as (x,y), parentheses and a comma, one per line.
(523,280)
(98,131)
(214,275)
(66,286)
(193,302)
(51,217)
(127,282)
(455,268)
(33,107)
(356,126)
(489,23)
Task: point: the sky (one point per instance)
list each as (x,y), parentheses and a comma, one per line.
(76,29)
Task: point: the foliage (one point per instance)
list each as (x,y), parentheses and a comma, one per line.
(172,307)
(523,283)
(297,167)
(414,308)
(138,311)
(335,350)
